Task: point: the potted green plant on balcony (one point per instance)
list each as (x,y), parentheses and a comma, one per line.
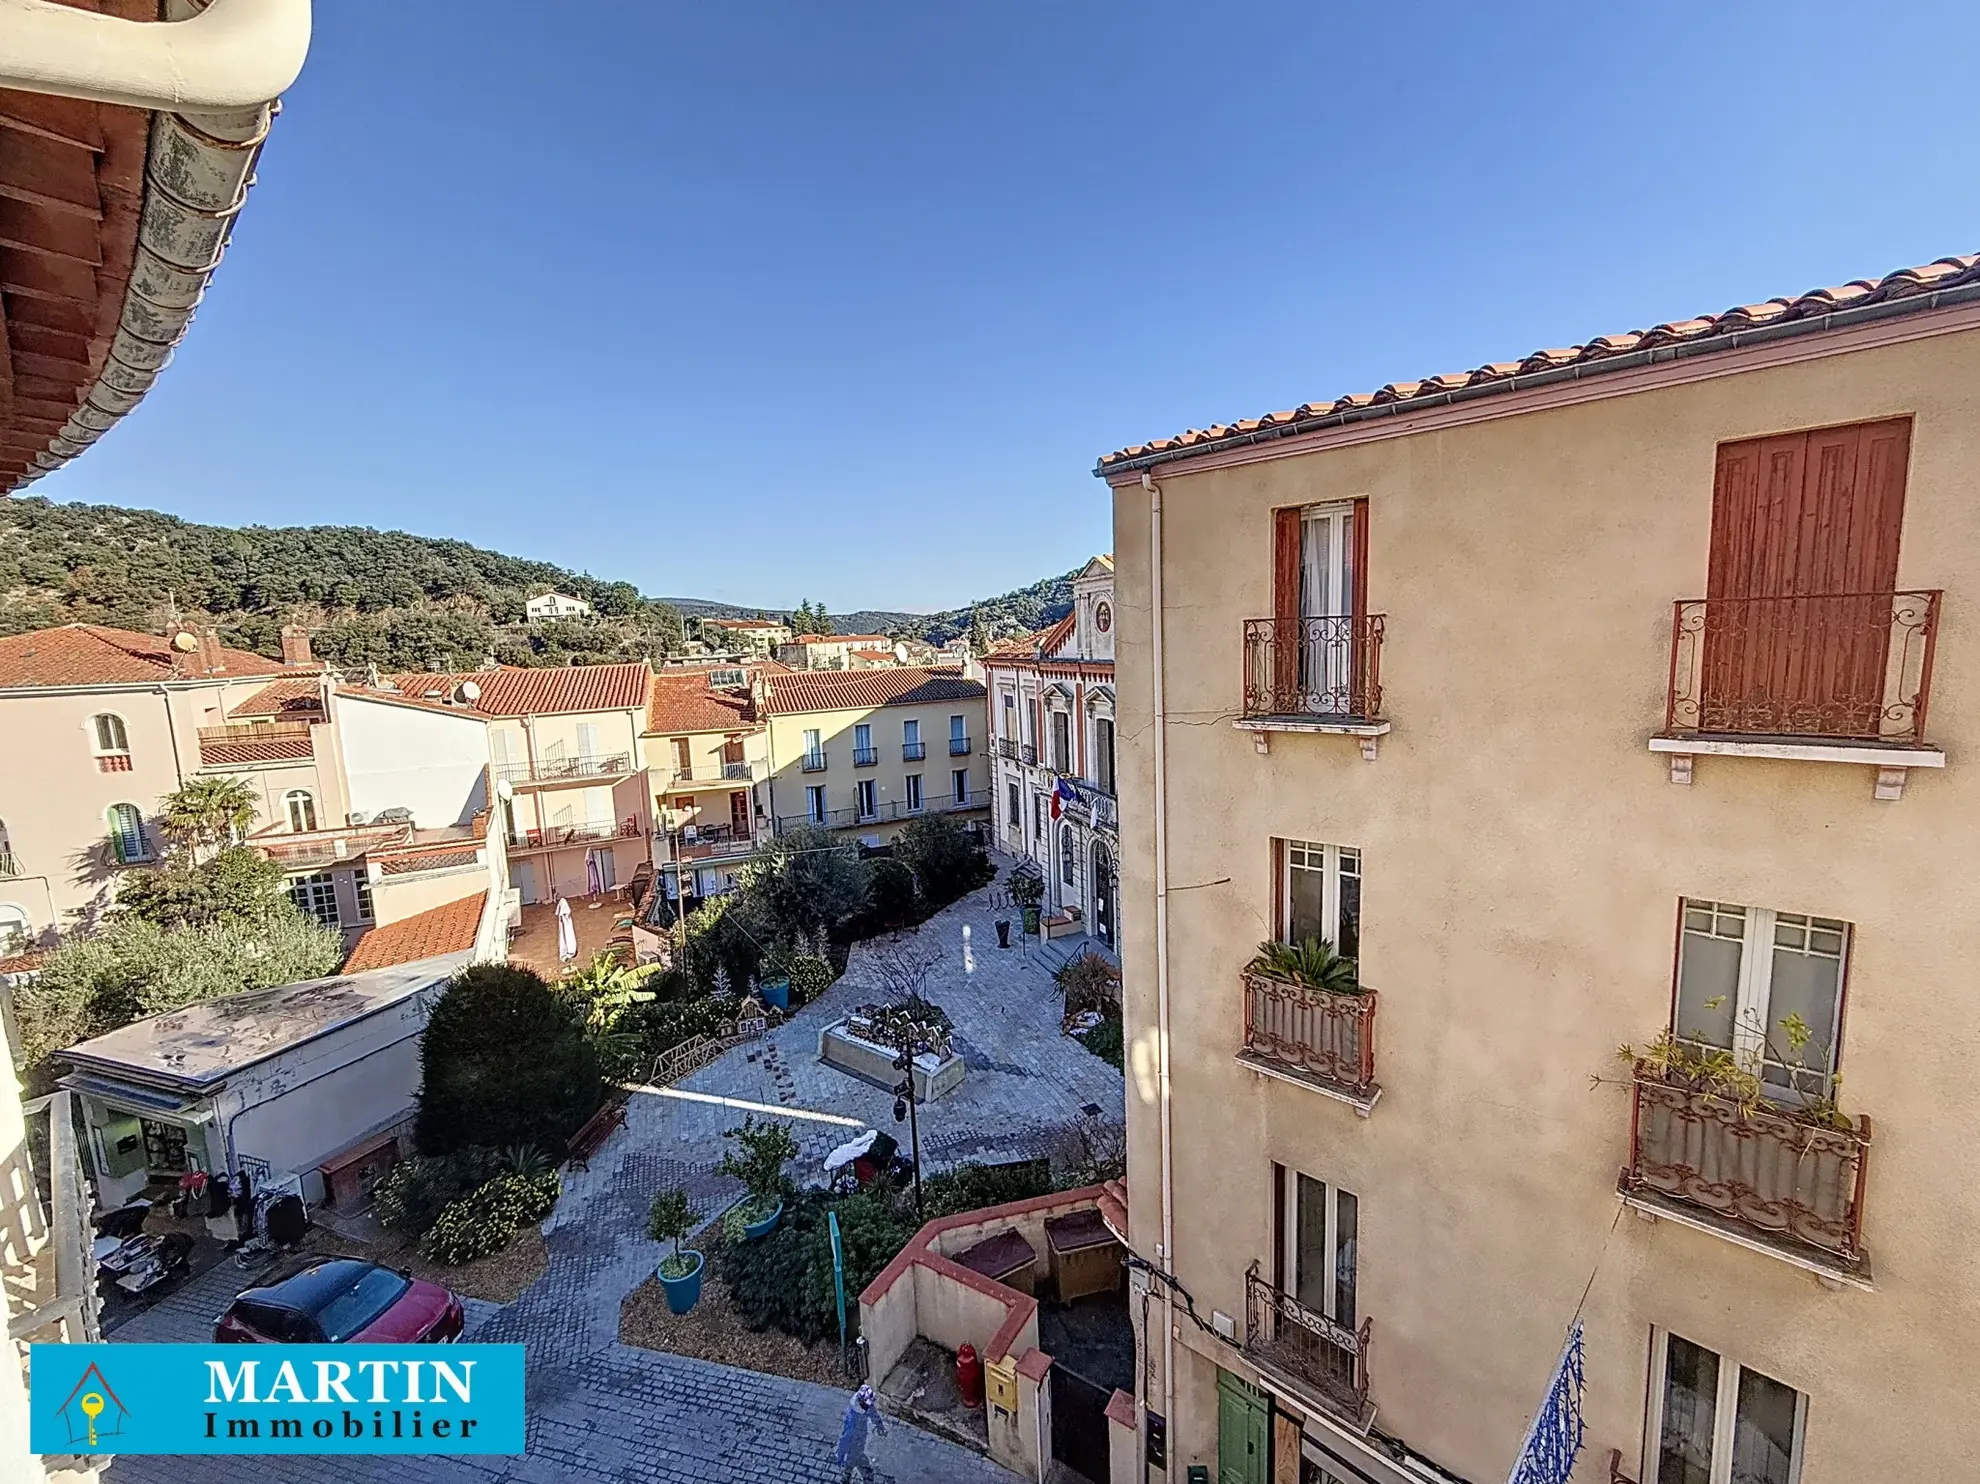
(1311,964)
(762,1150)
(1717,1072)
(670,1220)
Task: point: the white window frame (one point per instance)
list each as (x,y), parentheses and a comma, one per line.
(1753,997)
(121,747)
(1010,712)
(1288,1279)
(916,799)
(1014,799)
(309,892)
(14,923)
(1310,855)
(958,727)
(959,785)
(1041,815)
(1725,1412)
(910,731)
(862,736)
(866,800)
(814,745)
(361,895)
(814,802)
(308,801)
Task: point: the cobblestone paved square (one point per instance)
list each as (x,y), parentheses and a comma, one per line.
(600,1410)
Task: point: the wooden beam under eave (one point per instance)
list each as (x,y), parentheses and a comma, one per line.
(56,316)
(68,121)
(47,278)
(55,368)
(44,341)
(54,234)
(44,174)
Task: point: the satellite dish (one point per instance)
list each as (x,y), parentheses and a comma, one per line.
(467,692)
(504,789)
(900,653)
(185,641)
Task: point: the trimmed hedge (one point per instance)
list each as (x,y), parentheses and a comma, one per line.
(484,1221)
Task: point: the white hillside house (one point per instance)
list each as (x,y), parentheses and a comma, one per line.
(555,605)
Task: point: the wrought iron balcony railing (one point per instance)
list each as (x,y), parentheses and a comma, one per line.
(709,842)
(566,769)
(1840,666)
(1316,667)
(866,757)
(1028,754)
(913,752)
(959,747)
(1766,1172)
(1318,1356)
(813,762)
(1007,748)
(1317,1035)
(556,836)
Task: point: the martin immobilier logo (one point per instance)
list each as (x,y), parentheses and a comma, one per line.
(271,1399)
(391,1399)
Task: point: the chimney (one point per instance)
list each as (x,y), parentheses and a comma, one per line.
(209,652)
(295,645)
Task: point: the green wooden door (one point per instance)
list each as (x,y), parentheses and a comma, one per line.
(1244,1450)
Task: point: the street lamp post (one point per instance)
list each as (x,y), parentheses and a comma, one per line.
(905,1094)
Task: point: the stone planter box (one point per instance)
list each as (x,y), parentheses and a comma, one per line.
(934,1076)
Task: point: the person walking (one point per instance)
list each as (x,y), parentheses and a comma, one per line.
(864,1412)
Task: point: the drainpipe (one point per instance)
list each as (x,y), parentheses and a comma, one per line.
(233,54)
(171,726)
(1168,1249)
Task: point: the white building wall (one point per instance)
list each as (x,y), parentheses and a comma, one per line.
(406,757)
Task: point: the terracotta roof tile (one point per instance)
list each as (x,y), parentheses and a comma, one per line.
(853,690)
(516,690)
(1905,283)
(686,703)
(233,752)
(448,929)
(292,698)
(89,654)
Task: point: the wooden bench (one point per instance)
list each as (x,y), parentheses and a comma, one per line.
(588,1140)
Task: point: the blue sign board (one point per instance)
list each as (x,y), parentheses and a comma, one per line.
(275,1398)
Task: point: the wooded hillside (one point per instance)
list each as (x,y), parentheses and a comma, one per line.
(373,597)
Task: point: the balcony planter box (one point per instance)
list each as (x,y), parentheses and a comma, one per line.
(682,1293)
(1322,1037)
(1769,1173)
(934,1076)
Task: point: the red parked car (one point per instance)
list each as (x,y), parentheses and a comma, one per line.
(334,1300)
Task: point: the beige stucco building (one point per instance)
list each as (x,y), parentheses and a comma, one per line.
(867,750)
(96,725)
(1429,674)
(1052,790)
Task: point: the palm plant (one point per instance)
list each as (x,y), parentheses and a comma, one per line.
(205,813)
(1311,962)
(605,989)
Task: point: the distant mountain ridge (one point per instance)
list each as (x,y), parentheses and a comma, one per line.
(376,597)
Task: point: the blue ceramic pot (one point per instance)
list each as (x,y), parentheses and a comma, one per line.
(767,1225)
(683,1293)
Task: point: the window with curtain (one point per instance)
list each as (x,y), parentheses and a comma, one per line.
(1320,895)
(302,810)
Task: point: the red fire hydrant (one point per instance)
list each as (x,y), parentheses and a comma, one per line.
(969,1376)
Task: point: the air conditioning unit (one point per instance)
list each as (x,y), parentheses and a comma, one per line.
(357,817)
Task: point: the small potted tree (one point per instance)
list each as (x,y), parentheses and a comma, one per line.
(670,1220)
(1027,889)
(762,1150)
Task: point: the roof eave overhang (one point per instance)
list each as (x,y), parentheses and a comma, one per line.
(1411,414)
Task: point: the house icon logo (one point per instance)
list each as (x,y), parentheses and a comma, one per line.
(92,1410)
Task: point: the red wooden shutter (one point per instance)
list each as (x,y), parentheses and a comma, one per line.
(1358,580)
(1363,696)
(1285,563)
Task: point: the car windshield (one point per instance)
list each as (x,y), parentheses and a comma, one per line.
(357,1302)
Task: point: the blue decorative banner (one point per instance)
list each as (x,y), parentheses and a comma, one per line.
(1554,1440)
(275,1398)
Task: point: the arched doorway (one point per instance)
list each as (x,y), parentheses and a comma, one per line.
(1103,895)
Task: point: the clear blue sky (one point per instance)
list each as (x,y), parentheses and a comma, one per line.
(842,300)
